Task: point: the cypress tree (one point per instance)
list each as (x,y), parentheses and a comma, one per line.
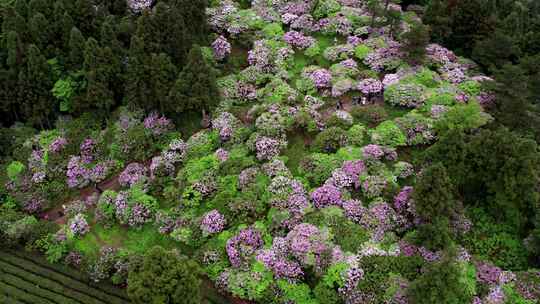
(137,86)
(40,31)
(76,49)
(195,87)
(99,70)
(21,7)
(163,73)
(34,88)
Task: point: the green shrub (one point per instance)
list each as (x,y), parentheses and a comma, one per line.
(389,134)
(362,51)
(14,169)
(356,135)
(318,167)
(370,115)
(330,140)
(462,117)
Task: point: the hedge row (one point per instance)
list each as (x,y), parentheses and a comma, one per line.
(69,272)
(36,289)
(61,288)
(58,281)
(14,293)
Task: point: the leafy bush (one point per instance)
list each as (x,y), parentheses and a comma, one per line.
(356,135)
(330,140)
(362,51)
(462,117)
(165,277)
(14,169)
(317,167)
(389,134)
(405,95)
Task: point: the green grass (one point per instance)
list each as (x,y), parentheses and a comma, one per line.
(295,152)
(132,239)
(395,112)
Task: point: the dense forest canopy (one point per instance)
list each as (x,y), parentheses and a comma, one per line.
(270,151)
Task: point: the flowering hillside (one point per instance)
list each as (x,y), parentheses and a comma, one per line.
(331,170)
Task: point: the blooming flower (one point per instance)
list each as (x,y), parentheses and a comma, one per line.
(221,47)
(213,222)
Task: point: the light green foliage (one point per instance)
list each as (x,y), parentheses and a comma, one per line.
(202,143)
(306,86)
(334,275)
(362,51)
(191,198)
(462,117)
(253,284)
(195,169)
(445,99)
(313,51)
(14,169)
(273,31)
(349,153)
(356,135)
(405,95)
(65,88)
(182,235)
(424,77)
(317,167)
(471,88)
(296,293)
(388,134)
(325,8)
(514,297)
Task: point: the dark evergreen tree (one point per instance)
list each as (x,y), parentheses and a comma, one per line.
(195,87)
(21,7)
(137,86)
(163,74)
(165,277)
(100,69)
(40,31)
(34,88)
(76,49)
(415,42)
(445,282)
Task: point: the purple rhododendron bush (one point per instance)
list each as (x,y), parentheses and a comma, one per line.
(343,160)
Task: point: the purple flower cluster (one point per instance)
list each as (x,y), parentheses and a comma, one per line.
(439,54)
(340,179)
(276,260)
(354,168)
(308,244)
(354,210)
(221,47)
(213,222)
(222,154)
(87,150)
(351,280)
(247,176)
(261,56)
(373,186)
(299,40)
(139,5)
(326,195)
(241,247)
(370,86)
(267,148)
(77,174)
(34,205)
(487,273)
(78,225)
(372,152)
(58,144)
(383,58)
(225,124)
(132,174)
(390,79)
(404,205)
(349,64)
(321,78)
(157,125)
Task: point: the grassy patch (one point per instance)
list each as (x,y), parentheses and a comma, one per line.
(296,151)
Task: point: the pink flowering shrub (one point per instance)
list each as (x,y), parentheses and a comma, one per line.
(370,86)
(78,225)
(267,148)
(298,39)
(241,247)
(157,125)
(221,47)
(134,173)
(139,5)
(325,196)
(213,222)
